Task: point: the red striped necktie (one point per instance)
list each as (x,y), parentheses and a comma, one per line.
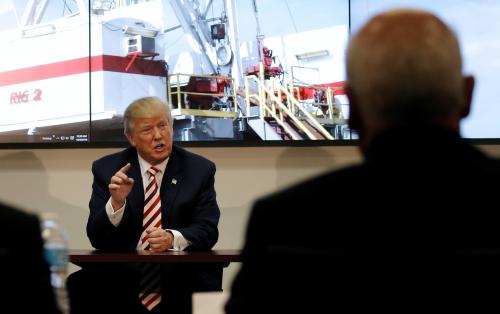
(150,283)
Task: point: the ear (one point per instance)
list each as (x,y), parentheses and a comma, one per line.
(130,139)
(355,120)
(469,83)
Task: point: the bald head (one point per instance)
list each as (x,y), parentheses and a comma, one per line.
(404,68)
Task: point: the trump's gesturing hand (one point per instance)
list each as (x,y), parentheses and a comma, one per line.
(120,187)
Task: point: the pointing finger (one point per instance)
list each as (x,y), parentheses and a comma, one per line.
(125,168)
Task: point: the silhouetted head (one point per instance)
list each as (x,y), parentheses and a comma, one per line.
(404,68)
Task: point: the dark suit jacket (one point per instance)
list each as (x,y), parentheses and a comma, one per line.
(188,205)
(411,225)
(24,273)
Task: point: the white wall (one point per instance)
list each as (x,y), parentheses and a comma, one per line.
(59,180)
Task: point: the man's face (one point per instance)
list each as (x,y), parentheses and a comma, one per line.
(152,137)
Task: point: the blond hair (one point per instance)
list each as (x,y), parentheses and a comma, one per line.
(146,107)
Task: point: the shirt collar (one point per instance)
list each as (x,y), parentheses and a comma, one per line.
(146,165)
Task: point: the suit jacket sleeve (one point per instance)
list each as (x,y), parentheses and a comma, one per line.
(101,232)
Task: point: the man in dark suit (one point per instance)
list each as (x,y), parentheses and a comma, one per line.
(409,228)
(24,273)
(184,215)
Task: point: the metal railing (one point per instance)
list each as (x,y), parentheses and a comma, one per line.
(178,108)
(271,103)
(294,103)
(264,96)
(329,91)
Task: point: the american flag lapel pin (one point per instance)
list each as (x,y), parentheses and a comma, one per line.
(174,181)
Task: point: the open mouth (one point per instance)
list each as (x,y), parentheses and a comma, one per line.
(159,147)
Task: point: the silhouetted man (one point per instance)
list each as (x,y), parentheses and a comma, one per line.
(24,273)
(407,229)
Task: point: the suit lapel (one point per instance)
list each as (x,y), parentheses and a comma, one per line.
(170,186)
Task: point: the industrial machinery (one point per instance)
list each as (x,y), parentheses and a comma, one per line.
(172,49)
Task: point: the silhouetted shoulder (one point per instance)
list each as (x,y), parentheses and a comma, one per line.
(333,182)
(12,217)
(490,167)
(23,265)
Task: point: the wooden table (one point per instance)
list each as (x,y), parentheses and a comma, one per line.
(100,272)
(80,257)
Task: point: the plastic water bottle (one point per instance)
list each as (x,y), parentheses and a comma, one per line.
(56,254)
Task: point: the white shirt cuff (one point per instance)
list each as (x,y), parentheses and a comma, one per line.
(180,243)
(115,217)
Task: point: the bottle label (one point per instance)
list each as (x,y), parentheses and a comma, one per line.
(57,257)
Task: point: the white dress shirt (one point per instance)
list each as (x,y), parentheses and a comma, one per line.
(115,217)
